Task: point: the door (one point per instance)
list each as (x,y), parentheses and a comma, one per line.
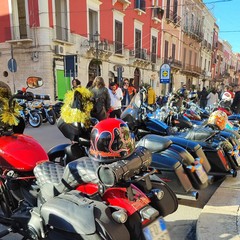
(63,84)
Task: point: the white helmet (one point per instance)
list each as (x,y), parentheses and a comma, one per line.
(226,96)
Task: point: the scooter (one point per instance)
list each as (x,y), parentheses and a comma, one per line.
(43,200)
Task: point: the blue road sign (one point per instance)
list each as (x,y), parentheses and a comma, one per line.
(12,65)
(165,73)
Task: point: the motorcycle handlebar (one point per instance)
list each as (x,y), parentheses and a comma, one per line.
(112,174)
(41,96)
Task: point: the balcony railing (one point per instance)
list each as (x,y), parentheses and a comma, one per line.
(173,17)
(118,47)
(192,68)
(62,34)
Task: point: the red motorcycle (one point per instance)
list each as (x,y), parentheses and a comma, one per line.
(84,200)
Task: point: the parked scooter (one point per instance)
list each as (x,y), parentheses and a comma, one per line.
(61,206)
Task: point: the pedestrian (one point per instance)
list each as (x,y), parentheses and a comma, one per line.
(203,98)
(116,96)
(212,97)
(101,99)
(235,107)
(75,83)
(131,89)
(151,96)
(126,95)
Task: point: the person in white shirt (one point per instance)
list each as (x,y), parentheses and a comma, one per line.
(116,96)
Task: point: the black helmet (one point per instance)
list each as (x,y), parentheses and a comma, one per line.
(110,141)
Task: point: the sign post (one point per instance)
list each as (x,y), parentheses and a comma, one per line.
(12,67)
(165,73)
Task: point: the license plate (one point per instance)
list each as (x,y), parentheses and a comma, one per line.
(203,177)
(156,230)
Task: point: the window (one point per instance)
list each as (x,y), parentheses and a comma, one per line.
(154,50)
(168,9)
(118,38)
(173,51)
(175,8)
(140,4)
(19,20)
(166,50)
(138,43)
(61,20)
(93,23)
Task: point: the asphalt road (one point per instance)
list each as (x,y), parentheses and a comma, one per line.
(181,224)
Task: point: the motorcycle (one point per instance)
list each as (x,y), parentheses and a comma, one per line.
(29,114)
(170,158)
(215,150)
(43,200)
(48,114)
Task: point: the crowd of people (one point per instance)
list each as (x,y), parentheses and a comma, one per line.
(110,101)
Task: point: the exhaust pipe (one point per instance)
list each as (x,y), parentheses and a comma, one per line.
(192,195)
(210,179)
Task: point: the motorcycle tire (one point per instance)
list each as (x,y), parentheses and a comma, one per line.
(36,121)
(51,117)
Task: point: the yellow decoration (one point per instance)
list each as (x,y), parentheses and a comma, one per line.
(8,115)
(71,115)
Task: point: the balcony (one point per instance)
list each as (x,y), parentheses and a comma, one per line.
(157,14)
(191,69)
(125,3)
(173,18)
(140,7)
(140,57)
(22,33)
(62,35)
(194,32)
(175,64)
(118,48)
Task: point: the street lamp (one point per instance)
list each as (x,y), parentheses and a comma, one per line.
(94,43)
(96,37)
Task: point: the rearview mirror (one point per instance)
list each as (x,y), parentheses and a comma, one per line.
(34,82)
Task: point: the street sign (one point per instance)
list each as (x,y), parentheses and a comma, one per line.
(12,65)
(165,73)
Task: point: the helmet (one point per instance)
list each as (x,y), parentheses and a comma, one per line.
(219,119)
(110,141)
(226,96)
(192,95)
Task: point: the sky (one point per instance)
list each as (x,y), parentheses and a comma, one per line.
(227,15)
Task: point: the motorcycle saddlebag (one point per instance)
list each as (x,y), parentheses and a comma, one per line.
(194,149)
(72,213)
(171,171)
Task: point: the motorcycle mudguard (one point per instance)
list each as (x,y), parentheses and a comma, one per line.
(57,151)
(168,204)
(194,149)
(21,153)
(73,213)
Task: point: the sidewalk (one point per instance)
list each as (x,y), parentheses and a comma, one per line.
(220,217)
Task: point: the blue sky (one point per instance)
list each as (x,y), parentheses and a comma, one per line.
(227,14)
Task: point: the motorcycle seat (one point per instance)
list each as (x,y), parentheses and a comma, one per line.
(154,143)
(54,179)
(199,134)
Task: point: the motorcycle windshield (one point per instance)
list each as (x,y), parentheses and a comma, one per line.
(132,109)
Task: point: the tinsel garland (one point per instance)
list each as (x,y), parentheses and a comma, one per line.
(71,115)
(8,115)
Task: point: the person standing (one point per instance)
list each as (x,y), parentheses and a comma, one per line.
(101,99)
(75,83)
(151,96)
(212,97)
(126,96)
(235,107)
(116,96)
(203,98)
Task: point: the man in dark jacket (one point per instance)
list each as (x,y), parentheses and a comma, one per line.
(203,98)
(235,107)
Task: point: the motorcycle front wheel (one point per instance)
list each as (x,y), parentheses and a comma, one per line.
(51,117)
(35,120)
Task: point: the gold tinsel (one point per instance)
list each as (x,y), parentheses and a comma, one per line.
(8,115)
(71,115)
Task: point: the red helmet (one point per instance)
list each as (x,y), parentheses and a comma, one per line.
(111,140)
